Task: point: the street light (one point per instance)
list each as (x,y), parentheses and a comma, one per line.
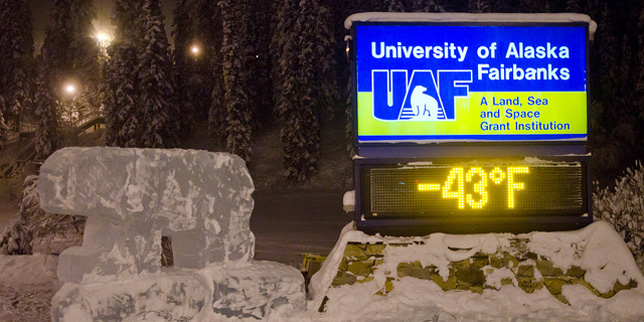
(195,50)
(70,89)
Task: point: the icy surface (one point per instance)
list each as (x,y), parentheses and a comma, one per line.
(133,197)
(598,249)
(229,292)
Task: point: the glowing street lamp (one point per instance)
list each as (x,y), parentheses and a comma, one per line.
(195,50)
(70,89)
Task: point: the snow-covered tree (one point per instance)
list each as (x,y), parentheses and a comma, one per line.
(305,82)
(573,6)
(237,54)
(424,6)
(479,6)
(159,109)
(394,6)
(129,19)
(71,54)
(45,112)
(121,108)
(217,111)
(16,61)
(623,207)
(182,33)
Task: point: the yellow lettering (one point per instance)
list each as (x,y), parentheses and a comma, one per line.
(429,187)
(512,186)
(479,187)
(455,176)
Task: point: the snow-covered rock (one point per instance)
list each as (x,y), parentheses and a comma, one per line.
(583,275)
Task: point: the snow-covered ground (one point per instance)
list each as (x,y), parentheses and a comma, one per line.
(29,282)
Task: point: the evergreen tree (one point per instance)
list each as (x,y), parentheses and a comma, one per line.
(159,110)
(129,19)
(306,77)
(16,62)
(71,54)
(45,112)
(424,6)
(479,6)
(182,34)
(394,6)
(121,109)
(573,6)
(216,111)
(237,53)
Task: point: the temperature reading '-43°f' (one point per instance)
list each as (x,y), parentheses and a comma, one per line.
(454,186)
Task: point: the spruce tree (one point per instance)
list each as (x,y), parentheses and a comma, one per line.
(479,6)
(121,108)
(394,6)
(129,19)
(210,19)
(45,112)
(424,6)
(159,110)
(71,54)
(182,37)
(237,53)
(305,82)
(16,62)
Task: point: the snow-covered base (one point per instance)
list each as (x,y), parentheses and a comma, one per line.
(386,296)
(228,292)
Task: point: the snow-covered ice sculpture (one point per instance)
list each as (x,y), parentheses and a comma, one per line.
(133,197)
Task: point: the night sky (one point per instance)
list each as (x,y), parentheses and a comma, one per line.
(42,9)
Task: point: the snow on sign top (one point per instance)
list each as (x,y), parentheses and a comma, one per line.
(470,17)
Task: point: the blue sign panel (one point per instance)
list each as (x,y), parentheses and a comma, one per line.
(438,83)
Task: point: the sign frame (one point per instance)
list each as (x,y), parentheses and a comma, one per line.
(413,225)
(482,143)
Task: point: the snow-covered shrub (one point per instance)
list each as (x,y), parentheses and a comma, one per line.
(32,222)
(623,207)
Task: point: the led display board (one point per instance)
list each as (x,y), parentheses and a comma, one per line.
(505,188)
(470,82)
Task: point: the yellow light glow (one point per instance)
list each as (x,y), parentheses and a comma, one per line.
(479,188)
(455,176)
(195,50)
(70,88)
(429,187)
(512,186)
(101,37)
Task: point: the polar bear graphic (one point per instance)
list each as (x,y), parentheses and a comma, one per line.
(424,106)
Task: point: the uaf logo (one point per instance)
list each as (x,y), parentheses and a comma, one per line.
(421,97)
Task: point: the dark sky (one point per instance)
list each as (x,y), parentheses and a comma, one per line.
(42,10)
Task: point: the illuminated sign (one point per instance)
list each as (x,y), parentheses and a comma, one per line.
(470,82)
(474,189)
